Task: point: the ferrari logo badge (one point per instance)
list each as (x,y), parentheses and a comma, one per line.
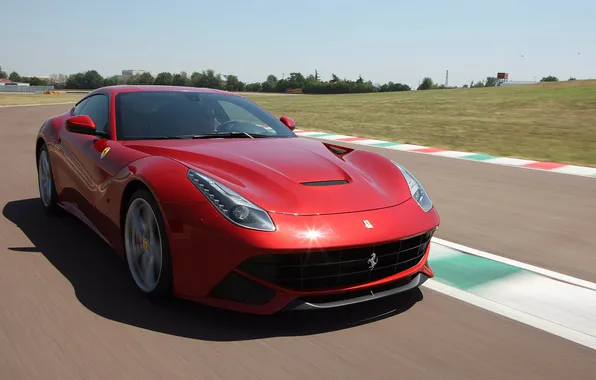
(145,244)
(373,261)
(105,151)
(367,223)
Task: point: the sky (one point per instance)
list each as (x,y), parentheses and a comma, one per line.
(382,40)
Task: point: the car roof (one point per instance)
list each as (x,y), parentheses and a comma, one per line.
(142,88)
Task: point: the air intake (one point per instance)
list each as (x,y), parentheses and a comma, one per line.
(325,183)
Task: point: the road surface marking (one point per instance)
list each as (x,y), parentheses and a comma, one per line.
(549,301)
(36,105)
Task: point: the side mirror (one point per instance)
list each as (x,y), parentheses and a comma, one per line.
(80,124)
(289,122)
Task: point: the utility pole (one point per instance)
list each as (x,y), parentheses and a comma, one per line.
(447,79)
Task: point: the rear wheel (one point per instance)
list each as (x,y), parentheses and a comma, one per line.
(45,180)
(146,246)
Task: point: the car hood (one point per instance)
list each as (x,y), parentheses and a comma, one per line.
(291,175)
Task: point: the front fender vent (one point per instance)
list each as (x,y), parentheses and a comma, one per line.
(325,183)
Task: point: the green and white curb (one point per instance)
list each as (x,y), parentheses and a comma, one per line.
(559,304)
(554,167)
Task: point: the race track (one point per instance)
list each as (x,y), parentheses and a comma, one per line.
(68,309)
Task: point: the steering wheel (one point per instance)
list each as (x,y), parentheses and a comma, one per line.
(226,126)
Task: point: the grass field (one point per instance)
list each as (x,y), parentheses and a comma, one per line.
(551,122)
(8,99)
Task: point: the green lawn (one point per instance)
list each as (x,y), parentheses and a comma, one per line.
(552,122)
(9,99)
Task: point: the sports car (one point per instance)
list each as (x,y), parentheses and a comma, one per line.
(210,198)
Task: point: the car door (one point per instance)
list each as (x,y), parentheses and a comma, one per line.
(73,180)
(96,159)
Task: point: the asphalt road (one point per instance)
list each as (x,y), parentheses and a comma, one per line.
(69,311)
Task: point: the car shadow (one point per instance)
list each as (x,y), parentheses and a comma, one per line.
(102,284)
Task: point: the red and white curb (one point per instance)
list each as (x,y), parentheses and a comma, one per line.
(554,167)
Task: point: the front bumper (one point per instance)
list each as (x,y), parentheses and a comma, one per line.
(350,298)
(209,257)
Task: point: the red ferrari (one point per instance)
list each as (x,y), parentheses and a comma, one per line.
(210,198)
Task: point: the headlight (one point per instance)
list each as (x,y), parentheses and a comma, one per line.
(232,205)
(416,189)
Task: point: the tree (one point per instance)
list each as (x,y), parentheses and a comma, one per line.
(2,75)
(75,81)
(88,80)
(35,81)
(180,79)
(14,76)
(207,79)
(426,84)
(334,78)
(92,80)
(232,83)
(295,80)
(253,87)
(393,87)
(143,79)
(549,78)
(57,79)
(111,81)
(478,84)
(490,82)
(164,79)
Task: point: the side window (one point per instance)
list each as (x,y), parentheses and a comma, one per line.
(97,109)
(79,107)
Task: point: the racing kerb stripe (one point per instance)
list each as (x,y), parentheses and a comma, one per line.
(554,167)
(569,309)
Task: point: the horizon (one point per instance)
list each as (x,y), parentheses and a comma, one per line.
(473,41)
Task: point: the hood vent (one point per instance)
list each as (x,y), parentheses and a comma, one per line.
(325,183)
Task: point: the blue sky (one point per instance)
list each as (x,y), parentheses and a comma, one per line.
(382,40)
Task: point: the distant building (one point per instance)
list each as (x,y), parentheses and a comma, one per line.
(129,73)
(126,74)
(8,82)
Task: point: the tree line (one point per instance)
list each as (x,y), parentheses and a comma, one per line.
(295,82)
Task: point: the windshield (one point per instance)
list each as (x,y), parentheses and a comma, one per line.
(182,114)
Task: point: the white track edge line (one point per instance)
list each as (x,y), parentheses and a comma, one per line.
(519,264)
(506,311)
(35,105)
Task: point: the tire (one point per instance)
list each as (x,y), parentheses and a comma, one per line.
(45,181)
(147,250)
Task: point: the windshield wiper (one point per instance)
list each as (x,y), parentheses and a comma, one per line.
(224,134)
(207,136)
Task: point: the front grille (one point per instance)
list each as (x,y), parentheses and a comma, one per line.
(318,270)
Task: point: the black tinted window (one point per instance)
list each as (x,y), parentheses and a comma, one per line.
(97,109)
(153,114)
(79,107)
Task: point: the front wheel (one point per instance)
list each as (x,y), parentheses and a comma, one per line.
(146,246)
(45,180)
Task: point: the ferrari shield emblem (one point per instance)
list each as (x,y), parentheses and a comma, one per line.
(105,151)
(367,223)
